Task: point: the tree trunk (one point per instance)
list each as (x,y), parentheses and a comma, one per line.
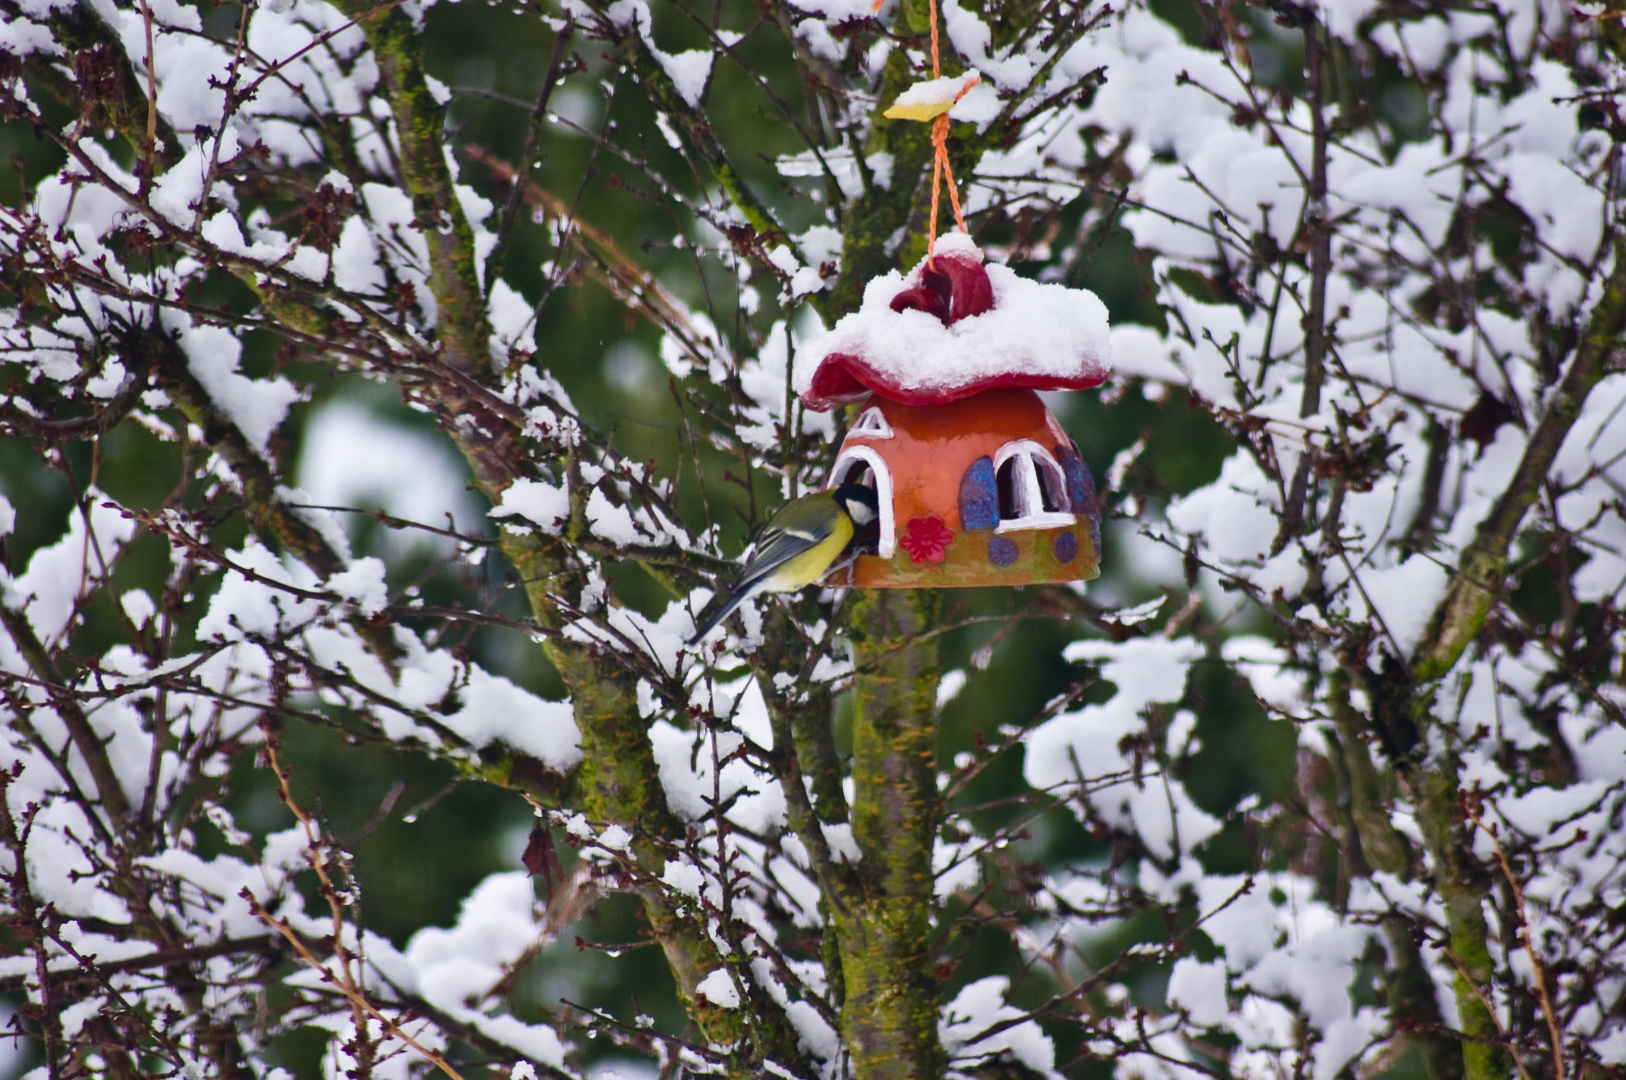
(883,916)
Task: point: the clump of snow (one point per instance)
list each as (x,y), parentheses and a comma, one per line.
(841,164)
(954,867)
(256,406)
(821,243)
(689,71)
(979,105)
(178,193)
(1199,989)
(977,1027)
(684,759)
(1011,68)
(246,607)
(823,44)
(512,323)
(1086,744)
(1265,665)
(138,606)
(763,379)
(613,523)
(452,968)
(843,844)
(59,574)
(719,989)
(494,709)
(363,585)
(355,259)
(836,12)
(686,878)
(536,501)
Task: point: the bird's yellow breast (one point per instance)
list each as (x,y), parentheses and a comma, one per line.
(809,566)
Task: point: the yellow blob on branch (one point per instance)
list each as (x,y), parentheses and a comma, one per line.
(931,99)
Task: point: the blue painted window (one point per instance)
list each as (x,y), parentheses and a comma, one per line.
(1080,484)
(979,496)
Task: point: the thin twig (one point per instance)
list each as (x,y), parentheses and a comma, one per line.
(345,980)
(1490,1010)
(533,135)
(356,997)
(152,96)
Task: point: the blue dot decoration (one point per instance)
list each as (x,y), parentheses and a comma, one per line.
(1002,551)
(1065,547)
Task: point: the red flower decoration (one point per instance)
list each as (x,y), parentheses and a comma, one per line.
(926,539)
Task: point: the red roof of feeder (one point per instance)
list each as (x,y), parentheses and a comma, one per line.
(935,337)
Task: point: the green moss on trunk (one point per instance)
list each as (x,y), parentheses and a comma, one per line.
(1463,885)
(461,324)
(883,921)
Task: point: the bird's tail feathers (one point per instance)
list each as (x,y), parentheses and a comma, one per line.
(732,601)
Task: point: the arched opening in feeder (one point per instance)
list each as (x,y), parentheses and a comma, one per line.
(862,465)
(1032,488)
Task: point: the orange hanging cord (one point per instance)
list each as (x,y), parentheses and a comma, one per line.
(940,157)
(940,164)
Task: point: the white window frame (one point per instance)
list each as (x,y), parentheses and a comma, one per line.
(1029,498)
(888,541)
(871,424)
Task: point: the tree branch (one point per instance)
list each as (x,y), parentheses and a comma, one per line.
(1477,583)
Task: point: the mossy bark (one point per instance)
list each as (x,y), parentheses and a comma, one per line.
(882,917)
(1382,847)
(1463,885)
(461,326)
(617,781)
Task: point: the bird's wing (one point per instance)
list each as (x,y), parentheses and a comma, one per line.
(777,546)
(773,549)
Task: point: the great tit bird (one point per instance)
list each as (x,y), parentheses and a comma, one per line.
(800,544)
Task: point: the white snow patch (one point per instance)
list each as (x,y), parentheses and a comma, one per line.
(719,989)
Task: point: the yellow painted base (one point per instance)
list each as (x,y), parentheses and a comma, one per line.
(966,563)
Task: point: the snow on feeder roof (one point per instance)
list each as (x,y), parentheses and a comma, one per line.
(976,481)
(935,337)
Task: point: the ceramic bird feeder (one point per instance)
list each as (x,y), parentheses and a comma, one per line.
(977,482)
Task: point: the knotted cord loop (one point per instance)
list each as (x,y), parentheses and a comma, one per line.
(940,158)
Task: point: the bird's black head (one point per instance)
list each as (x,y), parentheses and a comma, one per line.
(859,502)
